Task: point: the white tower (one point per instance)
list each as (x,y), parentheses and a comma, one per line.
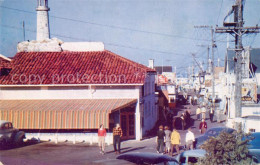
(42,9)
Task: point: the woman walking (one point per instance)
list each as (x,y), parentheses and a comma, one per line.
(175,141)
(167,139)
(203,126)
(101,138)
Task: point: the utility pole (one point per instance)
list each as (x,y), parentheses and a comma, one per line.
(236,28)
(213,45)
(188,72)
(193,73)
(208,61)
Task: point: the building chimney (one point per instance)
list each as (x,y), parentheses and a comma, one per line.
(151,63)
(43,31)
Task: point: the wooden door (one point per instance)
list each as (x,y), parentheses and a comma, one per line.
(127,122)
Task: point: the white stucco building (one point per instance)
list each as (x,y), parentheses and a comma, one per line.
(41,85)
(73,87)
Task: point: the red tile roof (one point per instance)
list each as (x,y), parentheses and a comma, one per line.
(4,63)
(103,67)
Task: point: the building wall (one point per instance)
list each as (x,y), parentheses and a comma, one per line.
(258,79)
(145,109)
(148,107)
(25,93)
(249,124)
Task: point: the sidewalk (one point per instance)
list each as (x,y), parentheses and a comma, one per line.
(149,145)
(49,153)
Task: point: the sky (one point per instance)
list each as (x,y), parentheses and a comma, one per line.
(163,30)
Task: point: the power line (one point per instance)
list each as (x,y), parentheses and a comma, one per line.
(255,34)
(112,26)
(107,43)
(220,10)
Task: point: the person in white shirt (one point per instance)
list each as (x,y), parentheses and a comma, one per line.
(189,139)
(203,112)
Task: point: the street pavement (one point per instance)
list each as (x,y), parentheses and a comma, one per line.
(49,153)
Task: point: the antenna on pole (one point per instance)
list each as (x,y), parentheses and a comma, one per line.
(23,31)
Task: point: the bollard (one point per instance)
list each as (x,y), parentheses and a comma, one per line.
(56,138)
(91,139)
(74,139)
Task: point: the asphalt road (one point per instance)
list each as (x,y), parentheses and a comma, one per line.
(49,153)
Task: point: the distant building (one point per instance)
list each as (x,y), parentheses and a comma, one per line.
(161,69)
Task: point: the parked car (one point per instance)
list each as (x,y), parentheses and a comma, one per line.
(148,158)
(9,135)
(190,156)
(212,132)
(254,147)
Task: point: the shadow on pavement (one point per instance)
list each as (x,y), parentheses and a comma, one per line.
(120,149)
(25,144)
(133,149)
(127,149)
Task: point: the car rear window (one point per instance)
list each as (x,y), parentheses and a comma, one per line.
(192,160)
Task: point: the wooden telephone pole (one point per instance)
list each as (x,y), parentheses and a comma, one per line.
(237,30)
(212,65)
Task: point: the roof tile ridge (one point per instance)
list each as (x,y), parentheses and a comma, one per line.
(141,66)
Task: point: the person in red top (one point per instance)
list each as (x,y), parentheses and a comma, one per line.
(117,134)
(203,126)
(101,138)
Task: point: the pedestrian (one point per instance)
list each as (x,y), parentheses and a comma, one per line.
(203,126)
(117,134)
(167,139)
(160,139)
(183,121)
(187,118)
(190,138)
(198,111)
(175,141)
(211,114)
(203,112)
(195,100)
(101,138)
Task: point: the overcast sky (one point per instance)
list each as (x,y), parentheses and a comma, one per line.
(136,29)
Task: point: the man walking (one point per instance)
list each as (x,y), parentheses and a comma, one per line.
(203,112)
(160,139)
(117,134)
(211,113)
(189,139)
(183,117)
(175,141)
(198,113)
